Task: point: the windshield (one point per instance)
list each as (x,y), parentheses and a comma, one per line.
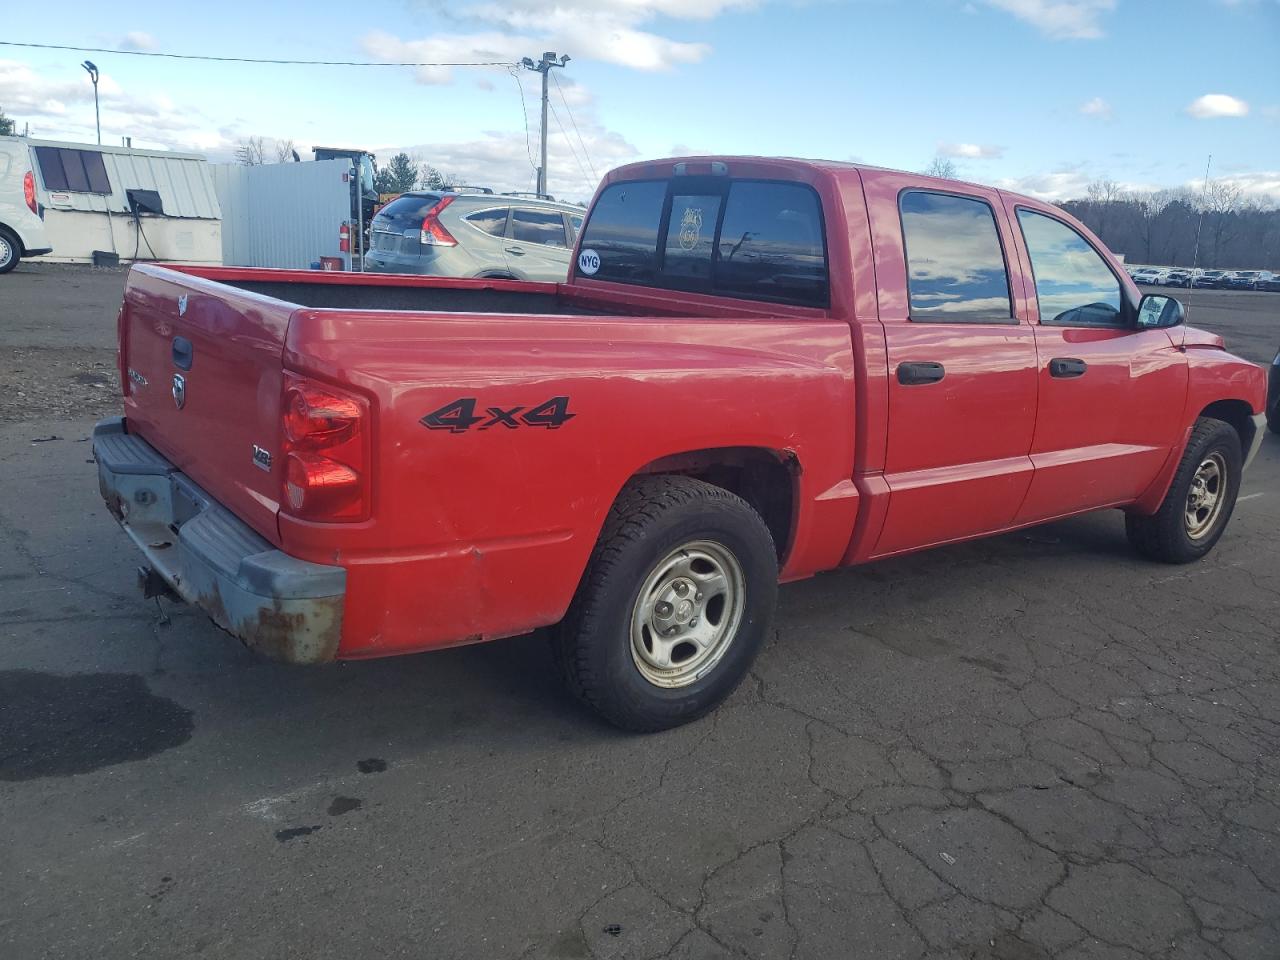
(366,173)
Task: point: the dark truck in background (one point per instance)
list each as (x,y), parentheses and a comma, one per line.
(758,370)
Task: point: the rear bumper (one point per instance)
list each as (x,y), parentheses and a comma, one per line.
(282,607)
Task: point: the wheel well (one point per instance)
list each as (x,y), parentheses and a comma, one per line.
(13,235)
(1238,414)
(762,477)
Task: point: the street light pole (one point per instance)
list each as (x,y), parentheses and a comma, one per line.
(543,67)
(97,117)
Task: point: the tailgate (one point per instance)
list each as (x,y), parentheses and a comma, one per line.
(201,366)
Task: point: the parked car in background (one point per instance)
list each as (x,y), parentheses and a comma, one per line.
(1177,278)
(1210,279)
(1150,276)
(356,466)
(1270,282)
(22,232)
(1243,280)
(454,234)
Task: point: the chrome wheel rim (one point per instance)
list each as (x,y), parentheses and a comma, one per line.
(687,613)
(1207,495)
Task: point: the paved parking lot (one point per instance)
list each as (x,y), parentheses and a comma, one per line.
(1034,746)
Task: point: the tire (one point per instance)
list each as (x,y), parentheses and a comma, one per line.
(664,538)
(1173,534)
(10,250)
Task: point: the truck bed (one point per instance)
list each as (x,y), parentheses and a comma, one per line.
(354,291)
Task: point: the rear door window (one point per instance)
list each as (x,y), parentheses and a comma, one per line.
(755,239)
(955,265)
(490,221)
(538,226)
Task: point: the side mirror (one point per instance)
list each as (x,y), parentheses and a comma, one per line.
(1157,312)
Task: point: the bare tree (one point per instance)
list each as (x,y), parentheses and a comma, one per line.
(1221,201)
(941,167)
(251,151)
(1150,207)
(284,151)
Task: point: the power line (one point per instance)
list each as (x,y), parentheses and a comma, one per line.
(569,111)
(569,143)
(524,112)
(307,63)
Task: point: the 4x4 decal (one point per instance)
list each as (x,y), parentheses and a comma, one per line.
(459,416)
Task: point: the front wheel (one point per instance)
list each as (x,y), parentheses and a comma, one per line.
(1200,500)
(674,606)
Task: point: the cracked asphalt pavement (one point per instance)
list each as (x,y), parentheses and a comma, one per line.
(1035,746)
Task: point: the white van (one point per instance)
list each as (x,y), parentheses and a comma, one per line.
(22,232)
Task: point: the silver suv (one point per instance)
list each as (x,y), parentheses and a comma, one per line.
(454,234)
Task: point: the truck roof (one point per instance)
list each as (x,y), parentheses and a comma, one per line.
(799,168)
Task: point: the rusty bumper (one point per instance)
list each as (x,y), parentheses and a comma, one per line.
(282,607)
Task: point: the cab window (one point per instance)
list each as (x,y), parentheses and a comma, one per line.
(1074,285)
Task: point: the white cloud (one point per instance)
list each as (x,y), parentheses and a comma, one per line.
(970,151)
(1060,19)
(1097,107)
(1217,105)
(137,40)
(605,30)
(63,109)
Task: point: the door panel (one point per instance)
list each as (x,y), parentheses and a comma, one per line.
(535,247)
(957,460)
(1102,436)
(1109,393)
(956,457)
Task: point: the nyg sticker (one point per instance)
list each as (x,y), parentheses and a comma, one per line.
(589,262)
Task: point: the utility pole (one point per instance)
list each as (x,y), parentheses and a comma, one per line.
(543,67)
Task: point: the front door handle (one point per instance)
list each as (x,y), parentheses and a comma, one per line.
(515,251)
(1064,368)
(912,374)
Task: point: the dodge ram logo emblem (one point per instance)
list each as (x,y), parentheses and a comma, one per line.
(179,390)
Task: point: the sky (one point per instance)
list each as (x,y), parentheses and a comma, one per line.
(1039,96)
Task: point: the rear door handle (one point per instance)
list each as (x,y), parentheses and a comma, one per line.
(1064,368)
(515,251)
(912,374)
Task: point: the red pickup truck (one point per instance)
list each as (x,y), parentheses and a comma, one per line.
(758,369)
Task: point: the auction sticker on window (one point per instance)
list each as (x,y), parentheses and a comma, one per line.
(589,262)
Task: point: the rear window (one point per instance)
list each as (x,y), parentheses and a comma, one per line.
(755,239)
(76,171)
(410,207)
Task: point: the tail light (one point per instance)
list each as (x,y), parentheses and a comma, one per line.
(433,232)
(326,447)
(29,191)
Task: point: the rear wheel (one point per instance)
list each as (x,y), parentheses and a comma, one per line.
(10,250)
(1200,500)
(674,606)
